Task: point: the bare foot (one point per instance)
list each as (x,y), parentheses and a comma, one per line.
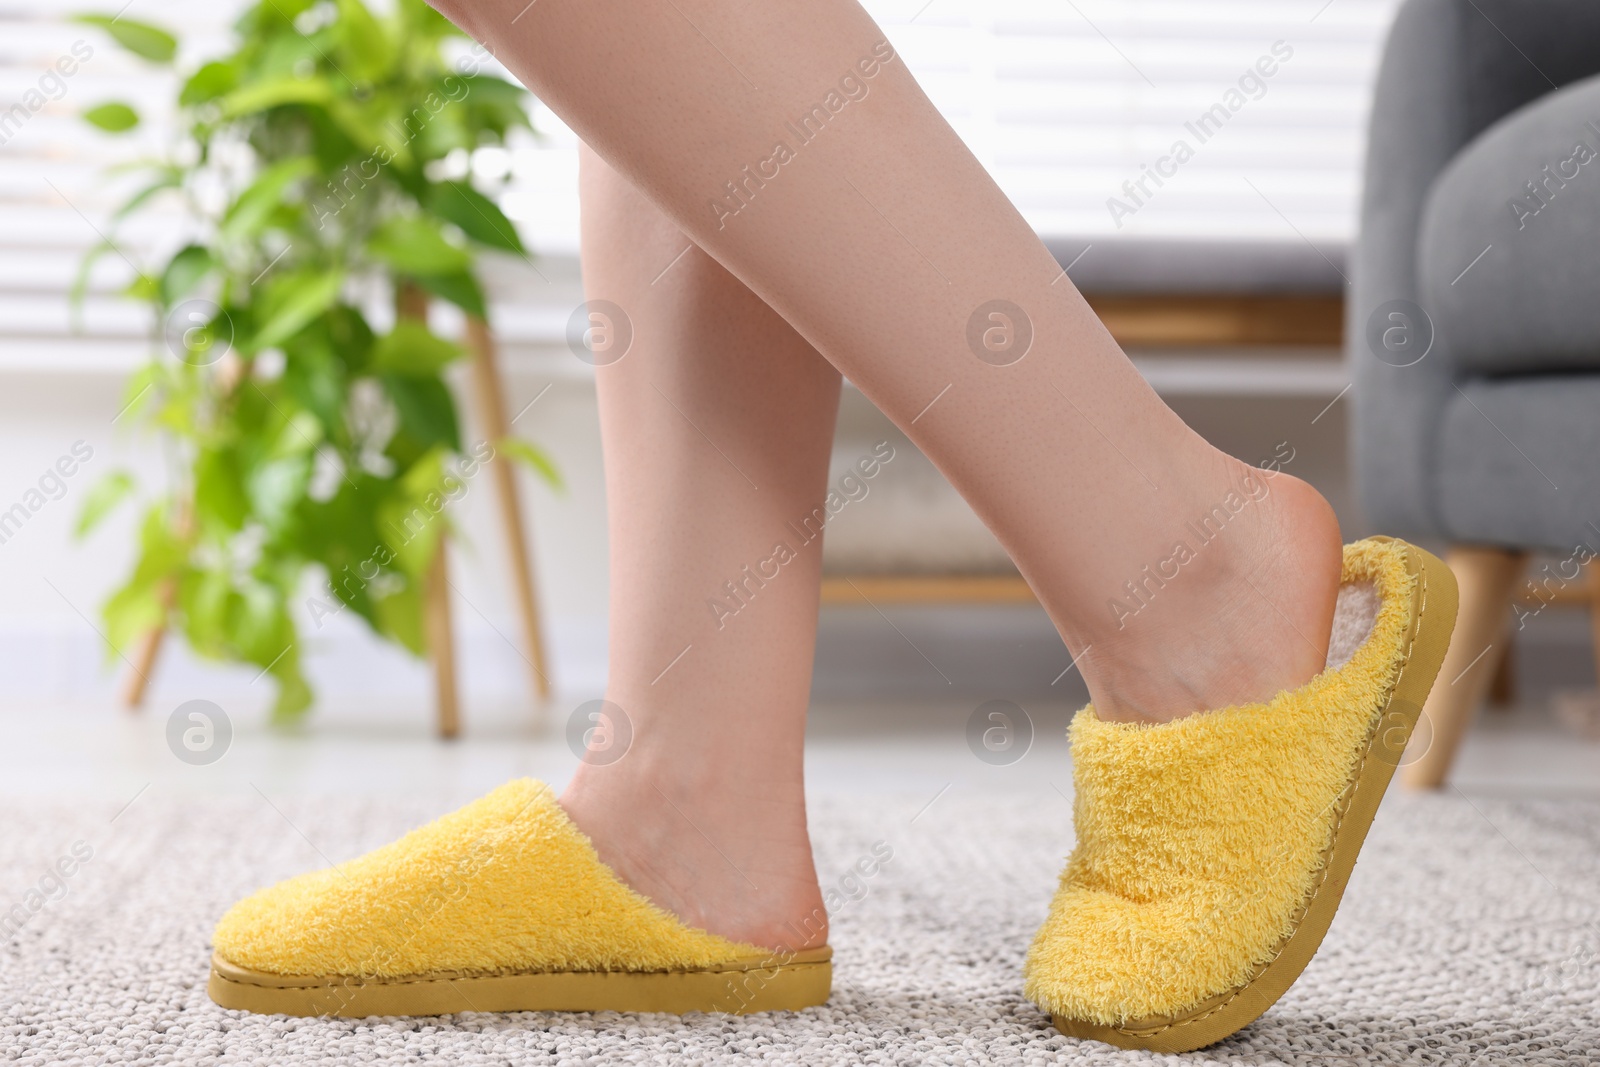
(724,854)
(1244,613)
(1239,610)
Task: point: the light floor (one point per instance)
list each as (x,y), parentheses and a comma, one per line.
(899,747)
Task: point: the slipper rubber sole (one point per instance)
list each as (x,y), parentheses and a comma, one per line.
(774,982)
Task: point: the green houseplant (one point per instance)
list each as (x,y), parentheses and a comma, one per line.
(323,165)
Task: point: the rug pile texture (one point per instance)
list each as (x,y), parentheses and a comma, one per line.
(1470,934)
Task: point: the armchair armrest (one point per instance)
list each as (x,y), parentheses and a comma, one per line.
(1450,68)
(1401,379)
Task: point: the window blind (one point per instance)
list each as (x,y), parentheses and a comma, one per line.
(1078,107)
(1231,120)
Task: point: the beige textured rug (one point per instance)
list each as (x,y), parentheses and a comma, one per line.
(1470,935)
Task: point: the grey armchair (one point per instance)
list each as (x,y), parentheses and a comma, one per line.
(1474,317)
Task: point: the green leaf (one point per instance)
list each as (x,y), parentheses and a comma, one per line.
(107,493)
(203,597)
(460,289)
(487,88)
(534,457)
(342,534)
(299,433)
(362,124)
(413,520)
(139,389)
(278,49)
(259,627)
(276,92)
(495,106)
(449,128)
(248,215)
(265,21)
(143,287)
(427,416)
(412,349)
(415,246)
(140,38)
(296,301)
(209,82)
(141,605)
(350,337)
(314,377)
(294,694)
(132,611)
(399,616)
(364,42)
(112,117)
(478,216)
(183,273)
(171,179)
(218,488)
(80,281)
(276,486)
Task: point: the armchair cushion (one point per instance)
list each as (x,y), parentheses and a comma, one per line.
(1509,245)
(1516,462)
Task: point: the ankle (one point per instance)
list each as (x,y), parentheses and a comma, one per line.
(1238,609)
(725,857)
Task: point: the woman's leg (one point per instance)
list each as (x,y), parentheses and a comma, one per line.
(717,426)
(790,143)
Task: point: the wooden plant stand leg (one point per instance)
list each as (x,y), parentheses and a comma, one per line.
(411,302)
(141,664)
(436,623)
(1485,576)
(490,398)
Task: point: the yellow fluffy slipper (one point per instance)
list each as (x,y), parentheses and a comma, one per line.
(1213,850)
(501,906)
